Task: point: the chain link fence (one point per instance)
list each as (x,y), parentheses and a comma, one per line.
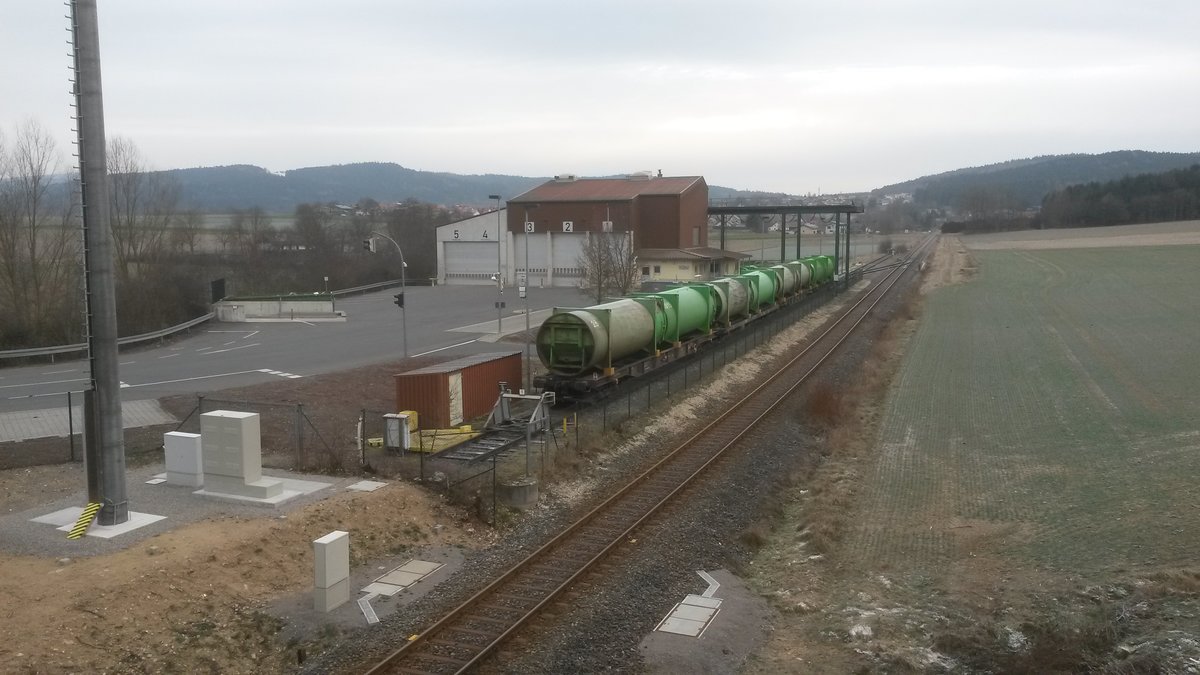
(337,440)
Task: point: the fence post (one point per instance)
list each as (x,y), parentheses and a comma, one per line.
(362,439)
(199,404)
(71,425)
(494,514)
(300,434)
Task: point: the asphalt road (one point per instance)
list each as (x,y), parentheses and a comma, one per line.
(451,319)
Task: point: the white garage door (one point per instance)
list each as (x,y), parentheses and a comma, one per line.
(567,248)
(470,262)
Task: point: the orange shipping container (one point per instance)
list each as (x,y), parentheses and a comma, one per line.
(447,394)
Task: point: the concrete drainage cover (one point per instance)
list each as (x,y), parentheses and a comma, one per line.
(691,616)
(402,577)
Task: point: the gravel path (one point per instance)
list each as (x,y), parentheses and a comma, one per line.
(598,625)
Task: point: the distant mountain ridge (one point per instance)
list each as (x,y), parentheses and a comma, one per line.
(1027,181)
(224,188)
(1023,181)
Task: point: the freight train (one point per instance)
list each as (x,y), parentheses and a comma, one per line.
(591,348)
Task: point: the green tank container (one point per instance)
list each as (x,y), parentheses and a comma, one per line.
(827,262)
(762,288)
(691,309)
(733,300)
(577,341)
(820,268)
(803,272)
(788,282)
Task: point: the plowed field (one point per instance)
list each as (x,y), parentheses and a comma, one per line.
(1029,501)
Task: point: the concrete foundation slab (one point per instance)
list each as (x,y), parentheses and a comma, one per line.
(64,520)
(366,486)
(291,488)
(278,499)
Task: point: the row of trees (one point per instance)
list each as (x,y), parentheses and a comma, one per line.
(1146,198)
(165,257)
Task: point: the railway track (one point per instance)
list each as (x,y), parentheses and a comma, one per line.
(465,636)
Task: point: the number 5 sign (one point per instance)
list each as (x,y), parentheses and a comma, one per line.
(528,226)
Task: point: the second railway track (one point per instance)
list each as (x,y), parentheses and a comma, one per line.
(469,633)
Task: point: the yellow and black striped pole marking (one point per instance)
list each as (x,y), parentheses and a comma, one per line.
(85,520)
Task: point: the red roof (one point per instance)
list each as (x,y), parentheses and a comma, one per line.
(606,189)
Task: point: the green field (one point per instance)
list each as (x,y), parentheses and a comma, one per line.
(1048,412)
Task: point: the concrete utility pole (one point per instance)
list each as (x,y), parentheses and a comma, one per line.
(499,269)
(106,444)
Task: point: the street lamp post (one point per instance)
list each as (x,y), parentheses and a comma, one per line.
(399,298)
(499,270)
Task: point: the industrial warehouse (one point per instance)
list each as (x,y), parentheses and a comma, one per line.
(542,233)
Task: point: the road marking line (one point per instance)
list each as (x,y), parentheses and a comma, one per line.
(38,384)
(58,372)
(168,356)
(442,349)
(219,351)
(251,335)
(189,379)
(126,363)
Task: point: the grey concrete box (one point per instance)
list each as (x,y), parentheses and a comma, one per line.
(331,556)
(328,599)
(233,455)
(184,458)
(231,444)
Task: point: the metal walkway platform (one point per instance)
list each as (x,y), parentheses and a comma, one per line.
(485,446)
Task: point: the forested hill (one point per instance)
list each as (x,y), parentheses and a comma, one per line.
(223,188)
(1024,182)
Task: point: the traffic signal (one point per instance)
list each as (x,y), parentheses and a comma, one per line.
(369,245)
(399,300)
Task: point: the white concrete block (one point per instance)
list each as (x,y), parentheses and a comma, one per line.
(231,444)
(331,555)
(328,599)
(184,458)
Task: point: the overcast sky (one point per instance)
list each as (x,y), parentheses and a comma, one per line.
(785,95)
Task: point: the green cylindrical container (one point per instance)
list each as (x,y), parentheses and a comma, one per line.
(828,264)
(803,272)
(762,288)
(788,281)
(821,268)
(734,297)
(577,341)
(692,308)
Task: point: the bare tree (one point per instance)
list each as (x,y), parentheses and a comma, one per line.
(609,264)
(142,205)
(37,243)
(185,235)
